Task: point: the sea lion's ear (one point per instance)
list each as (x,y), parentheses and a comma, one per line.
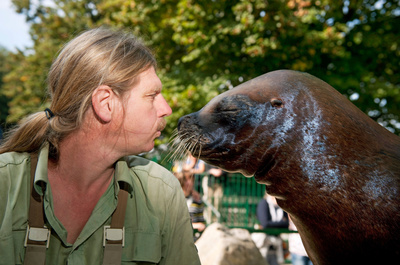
(277,103)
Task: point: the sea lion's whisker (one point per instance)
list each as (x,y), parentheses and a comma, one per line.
(180,145)
(175,145)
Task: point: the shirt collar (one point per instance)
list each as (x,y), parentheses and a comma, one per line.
(122,176)
(41,169)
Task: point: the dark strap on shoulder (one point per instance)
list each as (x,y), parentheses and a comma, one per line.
(114,235)
(118,217)
(37,235)
(36,210)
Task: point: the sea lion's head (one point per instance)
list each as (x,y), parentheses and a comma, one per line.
(242,129)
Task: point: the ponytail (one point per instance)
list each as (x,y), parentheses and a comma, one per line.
(28,136)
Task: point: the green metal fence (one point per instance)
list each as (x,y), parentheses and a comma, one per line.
(238,204)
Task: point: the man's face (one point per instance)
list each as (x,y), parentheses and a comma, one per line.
(145,109)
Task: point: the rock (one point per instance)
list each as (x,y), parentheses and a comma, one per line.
(219,245)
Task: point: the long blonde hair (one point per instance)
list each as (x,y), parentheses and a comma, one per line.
(96,57)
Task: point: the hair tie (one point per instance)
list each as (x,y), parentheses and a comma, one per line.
(49,113)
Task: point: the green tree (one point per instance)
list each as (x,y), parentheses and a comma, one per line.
(206,47)
(3,99)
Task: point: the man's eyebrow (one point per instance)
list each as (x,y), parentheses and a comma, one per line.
(155,89)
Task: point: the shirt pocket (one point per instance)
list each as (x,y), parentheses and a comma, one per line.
(19,247)
(141,248)
(12,250)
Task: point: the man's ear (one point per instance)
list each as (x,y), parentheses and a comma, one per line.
(103,103)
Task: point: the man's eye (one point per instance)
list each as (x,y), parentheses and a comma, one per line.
(154,93)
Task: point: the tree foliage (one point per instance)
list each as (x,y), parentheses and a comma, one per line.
(205,47)
(3,99)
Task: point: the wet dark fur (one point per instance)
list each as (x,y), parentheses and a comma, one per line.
(331,167)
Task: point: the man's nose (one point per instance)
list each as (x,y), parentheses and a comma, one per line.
(164,108)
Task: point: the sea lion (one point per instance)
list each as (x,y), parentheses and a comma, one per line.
(330,166)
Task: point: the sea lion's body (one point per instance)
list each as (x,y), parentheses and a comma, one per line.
(331,167)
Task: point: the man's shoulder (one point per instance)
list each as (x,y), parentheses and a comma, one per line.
(13,158)
(138,163)
(150,170)
(12,169)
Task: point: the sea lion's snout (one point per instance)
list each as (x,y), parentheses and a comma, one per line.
(188,127)
(184,121)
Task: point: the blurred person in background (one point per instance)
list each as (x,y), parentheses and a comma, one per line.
(194,201)
(270,215)
(213,187)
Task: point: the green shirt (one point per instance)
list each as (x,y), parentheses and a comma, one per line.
(157,222)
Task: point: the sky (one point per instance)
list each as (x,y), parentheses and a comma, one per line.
(14,31)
